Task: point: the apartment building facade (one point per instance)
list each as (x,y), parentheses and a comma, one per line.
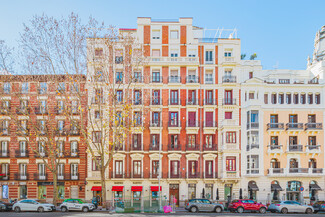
(34,112)
(193,128)
(284,114)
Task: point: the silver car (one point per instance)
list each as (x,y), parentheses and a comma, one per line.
(33,205)
(285,207)
(196,205)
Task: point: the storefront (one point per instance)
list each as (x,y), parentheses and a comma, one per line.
(117,195)
(208,191)
(313,191)
(293,191)
(97,193)
(191,191)
(228,192)
(275,191)
(136,196)
(155,195)
(252,190)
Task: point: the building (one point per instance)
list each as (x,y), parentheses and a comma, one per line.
(192,78)
(284,112)
(33,111)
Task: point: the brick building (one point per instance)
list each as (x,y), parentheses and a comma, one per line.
(192,80)
(39,102)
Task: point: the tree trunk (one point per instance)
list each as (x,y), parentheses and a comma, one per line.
(55,188)
(103,182)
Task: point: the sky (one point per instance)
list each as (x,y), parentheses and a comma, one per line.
(280,32)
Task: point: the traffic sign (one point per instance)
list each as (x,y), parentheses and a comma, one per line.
(301,188)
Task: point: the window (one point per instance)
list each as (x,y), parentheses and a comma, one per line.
(230,137)
(61,87)
(119,96)
(24,87)
(99,52)
(43,88)
(293,118)
(119,56)
(191,141)
(192,77)
(173,119)
(317,98)
(137,120)
(137,97)
(303,98)
(209,77)
(274,119)
(209,97)
(96,167)
(208,56)
(74,107)
(119,77)
(136,141)
(274,141)
(251,95)
(155,168)
(118,168)
(174,34)
(208,141)
(97,136)
(192,168)
(174,141)
(155,97)
(4,148)
(174,168)
(155,34)
(156,76)
(310,98)
(22,191)
(295,98)
(312,140)
(155,55)
(209,119)
(311,118)
(252,162)
(174,97)
(209,168)
(74,171)
(137,168)
(174,53)
(231,164)
(41,171)
(250,75)
(266,98)
(154,140)
(273,98)
(192,191)
(192,53)
(74,148)
(288,98)
(60,106)
(228,54)
(97,114)
(191,98)
(174,78)
(6,87)
(281,98)
(41,148)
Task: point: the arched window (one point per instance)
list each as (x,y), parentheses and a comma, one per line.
(293,163)
(275,163)
(275,190)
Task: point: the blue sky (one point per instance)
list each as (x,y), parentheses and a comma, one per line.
(281,32)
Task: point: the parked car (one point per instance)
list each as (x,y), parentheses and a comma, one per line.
(6,206)
(319,206)
(76,205)
(290,206)
(241,206)
(33,205)
(196,205)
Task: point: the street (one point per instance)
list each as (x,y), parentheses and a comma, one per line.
(102,213)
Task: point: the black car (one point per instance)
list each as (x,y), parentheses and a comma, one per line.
(6,206)
(319,206)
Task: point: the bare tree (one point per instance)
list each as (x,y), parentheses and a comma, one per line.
(6,58)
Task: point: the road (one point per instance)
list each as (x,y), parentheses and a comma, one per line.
(178,214)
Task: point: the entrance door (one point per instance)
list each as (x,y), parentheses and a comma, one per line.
(74,192)
(98,195)
(228,192)
(294,196)
(174,193)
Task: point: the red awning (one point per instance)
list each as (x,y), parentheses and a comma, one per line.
(117,188)
(96,188)
(155,188)
(136,188)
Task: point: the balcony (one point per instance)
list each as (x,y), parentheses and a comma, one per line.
(190,123)
(252,172)
(137,80)
(21,153)
(229,147)
(136,176)
(74,176)
(313,149)
(40,110)
(174,79)
(230,175)
(210,175)
(4,153)
(118,148)
(172,147)
(155,123)
(191,102)
(22,131)
(61,132)
(179,175)
(5,110)
(74,133)
(192,80)
(229,123)
(156,79)
(174,124)
(4,132)
(316,171)
(209,102)
(193,175)
(174,60)
(115,175)
(275,126)
(137,102)
(275,171)
(194,147)
(174,102)
(136,147)
(274,148)
(22,111)
(5,176)
(156,101)
(211,147)
(252,126)
(294,126)
(298,170)
(21,176)
(229,59)
(229,79)
(252,146)
(154,147)
(229,101)
(72,153)
(313,126)
(59,110)
(40,176)
(41,154)
(294,148)
(210,124)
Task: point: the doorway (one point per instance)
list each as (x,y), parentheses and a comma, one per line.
(98,196)
(74,192)
(228,192)
(174,193)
